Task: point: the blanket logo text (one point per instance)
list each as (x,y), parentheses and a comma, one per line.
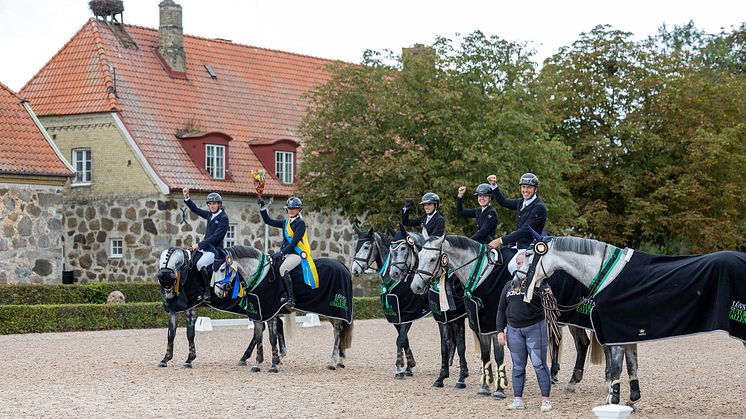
(339,301)
(586,307)
(737,312)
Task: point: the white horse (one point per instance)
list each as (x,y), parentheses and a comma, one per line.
(619,280)
(182,290)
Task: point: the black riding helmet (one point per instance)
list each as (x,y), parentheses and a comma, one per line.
(483,189)
(529,179)
(293,202)
(430,198)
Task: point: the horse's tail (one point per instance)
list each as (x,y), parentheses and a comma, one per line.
(597,351)
(477,345)
(345,341)
(290,325)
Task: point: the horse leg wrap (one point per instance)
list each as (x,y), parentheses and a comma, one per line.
(502,378)
(488,377)
(613,397)
(634,391)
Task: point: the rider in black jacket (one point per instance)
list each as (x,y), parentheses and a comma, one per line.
(212,243)
(486,215)
(433,224)
(530,212)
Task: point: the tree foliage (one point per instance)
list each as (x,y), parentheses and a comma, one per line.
(432,119)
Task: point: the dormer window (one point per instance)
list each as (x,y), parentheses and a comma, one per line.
(284,166)
(215,160)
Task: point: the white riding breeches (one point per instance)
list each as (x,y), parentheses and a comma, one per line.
(291,261)
(206,260)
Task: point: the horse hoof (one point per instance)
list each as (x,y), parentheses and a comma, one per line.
(241,363)
(409,373)
(162,365)
(274,370)
(459,385)
(331,367)
(498,395)
(340,365)
(399,376)
(186,365)
(438,384)
(570,388)
(255,369)
(483,392)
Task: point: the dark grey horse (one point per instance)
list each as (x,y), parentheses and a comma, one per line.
(181,290)
(477,271)
(403,261)
(372,250)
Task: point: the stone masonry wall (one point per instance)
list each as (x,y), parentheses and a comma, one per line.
(31,232)
(149,225)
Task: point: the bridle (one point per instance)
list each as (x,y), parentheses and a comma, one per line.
(173,272)
(368,260)
(405,266)
(443,261)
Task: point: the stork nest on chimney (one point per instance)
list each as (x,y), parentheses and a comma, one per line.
(106,8)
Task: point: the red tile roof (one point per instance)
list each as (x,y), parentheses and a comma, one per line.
(256,97)
(25,150)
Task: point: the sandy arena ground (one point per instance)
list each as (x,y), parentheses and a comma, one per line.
(113,374)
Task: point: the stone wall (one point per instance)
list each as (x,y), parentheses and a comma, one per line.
(149,225)
(31,230)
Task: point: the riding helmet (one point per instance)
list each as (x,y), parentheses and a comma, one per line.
(430,198)
(293,202)
(214,197)
(483,189)
(529,179)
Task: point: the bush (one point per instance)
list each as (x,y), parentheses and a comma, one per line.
(96,293)
(367,308)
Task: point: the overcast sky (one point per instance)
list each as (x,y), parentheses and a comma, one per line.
(32,31)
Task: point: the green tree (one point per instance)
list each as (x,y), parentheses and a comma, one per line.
(433,119)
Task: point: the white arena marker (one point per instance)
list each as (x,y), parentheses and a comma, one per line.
(612,411)
(204,324)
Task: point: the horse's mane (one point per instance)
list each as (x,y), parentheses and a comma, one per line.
(462,242)
(578,245)
(240,252)
(382,239)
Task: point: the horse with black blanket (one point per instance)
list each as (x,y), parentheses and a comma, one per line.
(400,305)
(254,283)
(638,297)
(182,291)
(403,261)
(483,274)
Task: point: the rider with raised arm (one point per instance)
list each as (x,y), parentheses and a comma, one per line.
(433,224)
(296,248)
(486,215)
(212,242)
(530,212)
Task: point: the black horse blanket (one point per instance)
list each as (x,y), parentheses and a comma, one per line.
(481,302)
(455,312)
(656,297)
(190,296)
(333,297)
(400,305)
(568,292)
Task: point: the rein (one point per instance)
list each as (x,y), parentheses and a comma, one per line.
(444,260)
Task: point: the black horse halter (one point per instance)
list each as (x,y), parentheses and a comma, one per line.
(367,260)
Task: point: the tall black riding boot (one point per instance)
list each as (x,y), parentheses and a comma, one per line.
(289,288)
(205,275)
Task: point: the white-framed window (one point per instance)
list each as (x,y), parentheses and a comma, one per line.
(116,248)
(215,160)
(284,166)
(230,236)
(82,165)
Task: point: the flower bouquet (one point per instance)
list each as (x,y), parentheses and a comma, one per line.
(259,177)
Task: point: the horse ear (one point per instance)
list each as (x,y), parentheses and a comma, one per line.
(402,229)
(370,232)
(356,229)
(536,235)
(390,230)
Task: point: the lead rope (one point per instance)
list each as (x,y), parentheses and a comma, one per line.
(551,312)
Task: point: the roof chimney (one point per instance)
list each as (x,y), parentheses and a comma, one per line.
(171,37)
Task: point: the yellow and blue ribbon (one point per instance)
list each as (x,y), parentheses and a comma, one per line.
(310,275)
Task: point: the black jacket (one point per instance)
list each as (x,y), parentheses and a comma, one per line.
(534,215)
(436,226)
(298,226)
(216,228)
(486,221)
